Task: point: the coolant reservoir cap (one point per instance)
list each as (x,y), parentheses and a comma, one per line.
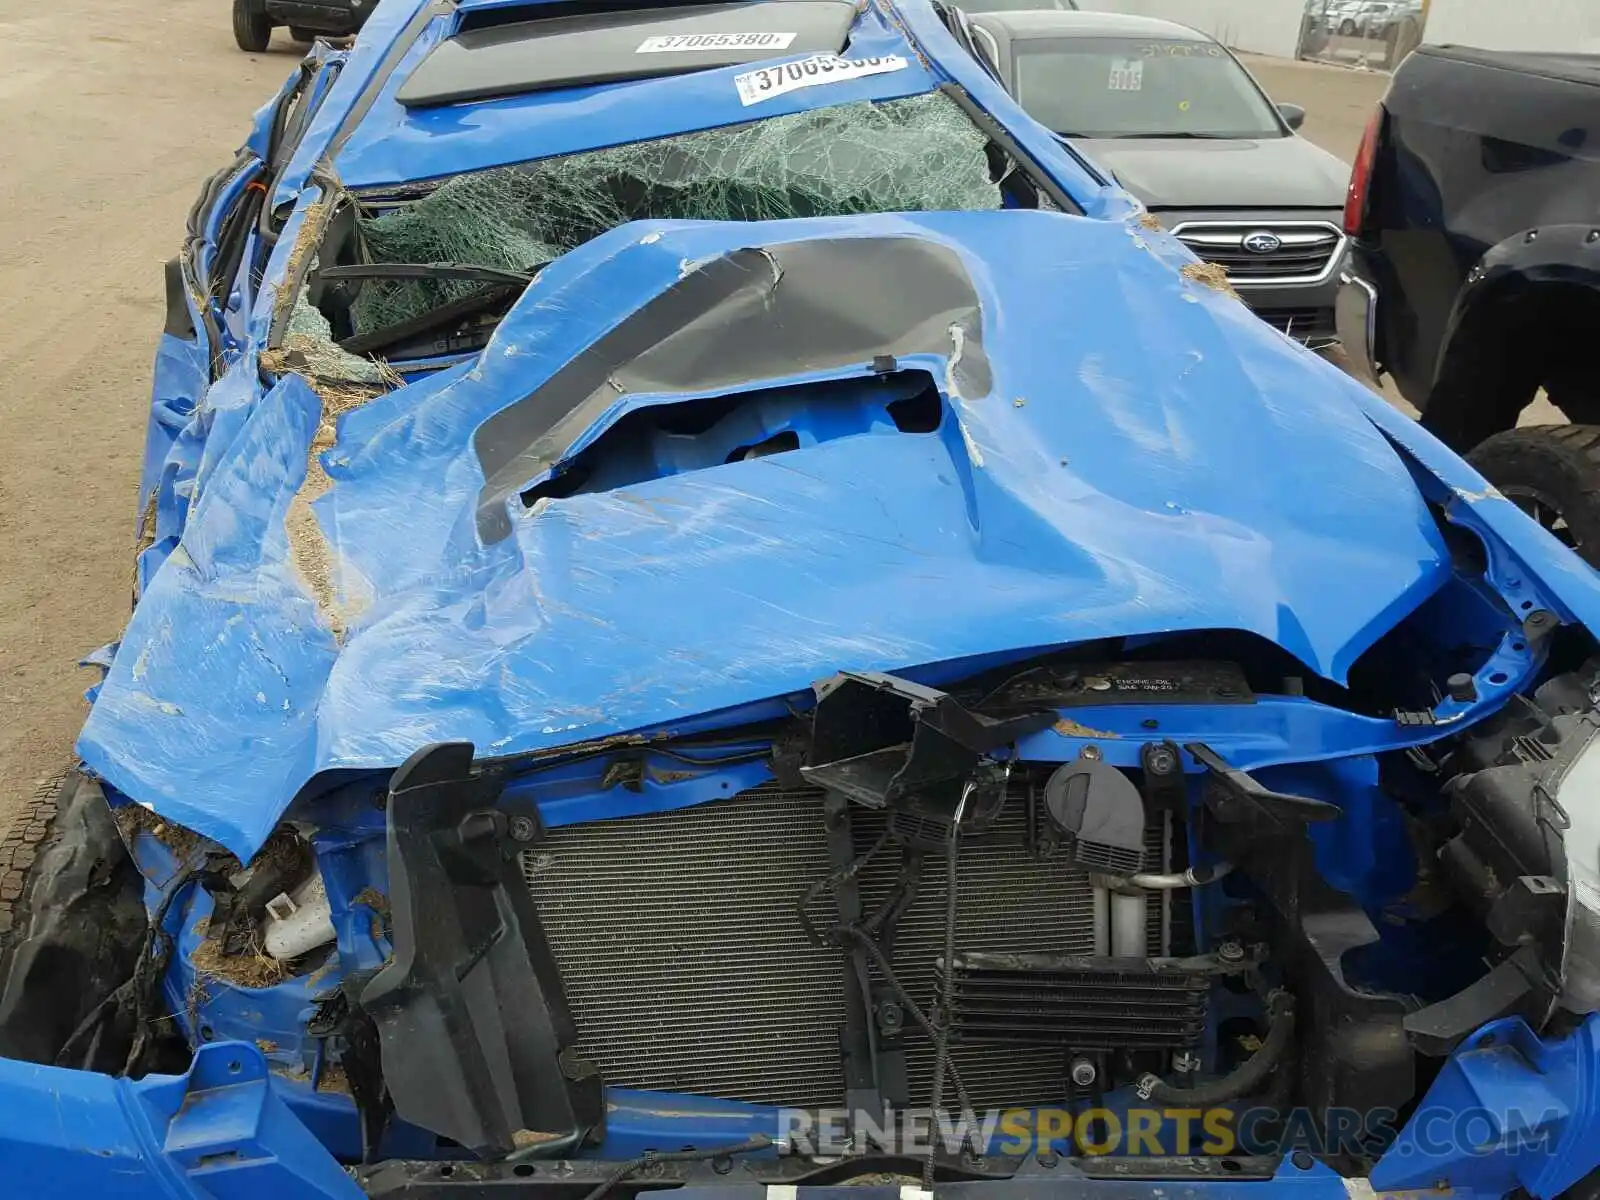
(1100,808)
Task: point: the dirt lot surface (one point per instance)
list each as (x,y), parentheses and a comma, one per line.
(111,115)
(1337,100)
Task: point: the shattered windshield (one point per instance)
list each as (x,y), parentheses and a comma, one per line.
(915,154)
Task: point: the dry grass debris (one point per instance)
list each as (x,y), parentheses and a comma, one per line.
(1209,275)
(135,819)
(255,969)
(310,550)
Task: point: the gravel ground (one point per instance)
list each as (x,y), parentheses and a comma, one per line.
(113,113)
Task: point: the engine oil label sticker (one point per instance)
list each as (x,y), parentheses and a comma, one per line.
(765,83)
(1127,75)
(672,42)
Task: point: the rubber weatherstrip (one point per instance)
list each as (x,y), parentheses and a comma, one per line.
(1000,136)
(369,94)
(324,173)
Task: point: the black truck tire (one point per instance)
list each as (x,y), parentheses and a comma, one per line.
(1551,472)
(252,28)
(72,917)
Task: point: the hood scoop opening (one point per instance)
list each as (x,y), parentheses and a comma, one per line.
(827,310)
(661,440)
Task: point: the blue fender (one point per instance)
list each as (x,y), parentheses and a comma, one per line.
(217,1132)
(1509,1110)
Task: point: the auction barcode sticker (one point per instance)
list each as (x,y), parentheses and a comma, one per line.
(670,42)
(764,83)
(1127,75)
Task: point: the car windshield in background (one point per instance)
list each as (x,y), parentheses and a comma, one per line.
(988,6)
(1105,87)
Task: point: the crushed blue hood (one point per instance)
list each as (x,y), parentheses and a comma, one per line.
(1147,457)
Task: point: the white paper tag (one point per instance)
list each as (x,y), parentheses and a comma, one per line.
(669,43)
(764,83)
(1127,75)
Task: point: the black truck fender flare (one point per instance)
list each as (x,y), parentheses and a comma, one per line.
(1547,254)
(1478,388)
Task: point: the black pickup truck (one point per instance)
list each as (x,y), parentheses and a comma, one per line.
(1474,274)
(254,20)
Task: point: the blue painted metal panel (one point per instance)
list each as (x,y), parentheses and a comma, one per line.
(1524,557)
(365,67)
(394,144)
(218,1132)
(1509,1110)
(1149,459)
(391,144)
(1109,478)
(179,381)
(1098,506)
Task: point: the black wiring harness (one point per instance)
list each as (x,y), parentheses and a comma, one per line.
(867,935)
(136,1002)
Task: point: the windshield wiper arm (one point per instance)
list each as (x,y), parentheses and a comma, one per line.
(502,284)
(472,272)
(449,313)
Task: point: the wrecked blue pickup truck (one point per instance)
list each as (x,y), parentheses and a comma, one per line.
(715,611)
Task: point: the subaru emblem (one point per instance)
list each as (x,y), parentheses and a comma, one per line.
(1262,242)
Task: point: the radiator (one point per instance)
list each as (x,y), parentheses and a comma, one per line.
(687,970)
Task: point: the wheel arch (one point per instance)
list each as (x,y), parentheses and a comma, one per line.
(1519,324)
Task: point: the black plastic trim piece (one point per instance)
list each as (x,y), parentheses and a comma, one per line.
(1515,987)
(861,1062)
(473,272)
(179,322)
(1242,789)
(232,237)
(877,738)
(380,77)
(434,320)
(1353,1051)
(477,1042)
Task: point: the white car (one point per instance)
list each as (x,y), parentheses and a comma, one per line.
(1371,18)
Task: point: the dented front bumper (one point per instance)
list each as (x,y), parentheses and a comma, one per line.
(219,1131)
(227,1130)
